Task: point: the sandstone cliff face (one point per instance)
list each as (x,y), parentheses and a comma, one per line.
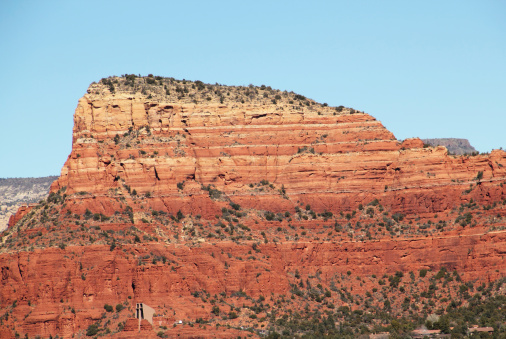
(330,161)
(48,284)
(189,197)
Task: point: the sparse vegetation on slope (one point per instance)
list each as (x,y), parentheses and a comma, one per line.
(247,211)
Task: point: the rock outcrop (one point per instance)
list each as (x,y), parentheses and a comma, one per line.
(204,200)
(323,158)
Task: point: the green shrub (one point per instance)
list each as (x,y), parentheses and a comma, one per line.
(375,202)
(92,330)
(179,215)
(269,216)
(479,176)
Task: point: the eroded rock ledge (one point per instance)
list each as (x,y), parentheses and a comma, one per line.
(190,196)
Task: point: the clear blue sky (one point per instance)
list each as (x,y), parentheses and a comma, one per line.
(424,68)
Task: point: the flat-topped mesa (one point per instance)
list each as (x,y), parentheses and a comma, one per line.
(453,145)
(176,191)
(154,135)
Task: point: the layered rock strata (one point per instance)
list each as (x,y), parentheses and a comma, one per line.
(38,281)
(331,161)
(187,196)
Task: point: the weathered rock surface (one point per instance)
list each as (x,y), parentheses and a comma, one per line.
(142,211)
(45,277)
(323,159)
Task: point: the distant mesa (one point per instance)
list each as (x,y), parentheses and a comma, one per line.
(453,145)
(15,192)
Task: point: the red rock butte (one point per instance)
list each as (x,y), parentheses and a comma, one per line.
(178,191)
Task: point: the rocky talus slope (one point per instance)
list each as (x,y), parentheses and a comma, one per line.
(15,192)
(248,210)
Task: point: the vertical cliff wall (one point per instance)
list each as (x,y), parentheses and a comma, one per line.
(242,206)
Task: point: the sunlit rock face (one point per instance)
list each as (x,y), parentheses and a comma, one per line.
(177,193)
